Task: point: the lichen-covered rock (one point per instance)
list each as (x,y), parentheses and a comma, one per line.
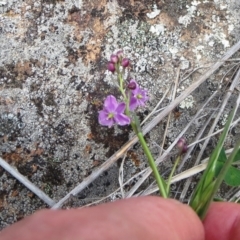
(53,80)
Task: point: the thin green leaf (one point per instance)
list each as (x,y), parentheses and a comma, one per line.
(221,160)
(208,185)
(219,180)
(205,201)
(217,152)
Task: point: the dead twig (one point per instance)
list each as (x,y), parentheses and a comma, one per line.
(26,182)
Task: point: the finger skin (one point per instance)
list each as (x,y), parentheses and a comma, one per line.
(136,219)
(222,222)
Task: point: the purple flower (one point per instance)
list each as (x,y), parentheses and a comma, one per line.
(113,112)
(138,96)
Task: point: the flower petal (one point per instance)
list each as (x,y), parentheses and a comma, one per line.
(133,103)
(120,108)
(103,118)
(144,95)
(122,119)
(141,101)
(110,103)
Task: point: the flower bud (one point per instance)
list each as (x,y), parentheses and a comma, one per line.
(114,58)
(120,54)
(182,145)
(132,85)
(111,67)
(125,62)
(184,149)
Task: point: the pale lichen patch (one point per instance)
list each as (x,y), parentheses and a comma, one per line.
(154,13)
(187,102)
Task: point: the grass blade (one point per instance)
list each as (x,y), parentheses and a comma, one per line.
(209,182)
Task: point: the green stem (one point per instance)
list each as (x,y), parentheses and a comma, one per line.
(136,127)
(160,182)
(121,87)
(172,172)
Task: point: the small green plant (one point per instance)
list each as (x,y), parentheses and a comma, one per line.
(220,167)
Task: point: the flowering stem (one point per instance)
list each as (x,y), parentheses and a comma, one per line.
(172,172)
(160,181)
(121,87)
(136,127)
